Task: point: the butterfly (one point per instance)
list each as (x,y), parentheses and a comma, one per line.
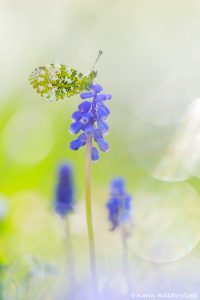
(57,81)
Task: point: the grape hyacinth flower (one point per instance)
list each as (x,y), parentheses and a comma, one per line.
(119,210)
(91,120)
(64,198)
(57,82)
(63,206)
(119,204)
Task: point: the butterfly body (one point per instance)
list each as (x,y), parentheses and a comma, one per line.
(56,81)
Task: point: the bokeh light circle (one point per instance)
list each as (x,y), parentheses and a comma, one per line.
(187,140)
(154,149)
(166,218)
(28,137)
(160,73)
(169,94)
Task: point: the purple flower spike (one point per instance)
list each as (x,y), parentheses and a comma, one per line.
(119,204)
(64,198)
(90,120)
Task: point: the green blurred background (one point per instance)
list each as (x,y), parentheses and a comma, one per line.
(151,66)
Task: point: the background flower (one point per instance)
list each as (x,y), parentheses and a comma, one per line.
(64,198)
(119,203)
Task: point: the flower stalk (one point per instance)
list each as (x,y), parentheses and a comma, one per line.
(89,219)
(63,206)
(119,213)
(70,258)
(125,259)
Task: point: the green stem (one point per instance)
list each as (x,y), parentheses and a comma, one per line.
(125,259)
(89,219)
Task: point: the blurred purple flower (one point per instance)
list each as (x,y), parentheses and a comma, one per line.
(91,120)
(119,203)
(64,198)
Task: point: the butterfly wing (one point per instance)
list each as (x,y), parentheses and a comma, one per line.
(56,81)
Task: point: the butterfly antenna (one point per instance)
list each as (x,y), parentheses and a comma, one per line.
(99,55)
